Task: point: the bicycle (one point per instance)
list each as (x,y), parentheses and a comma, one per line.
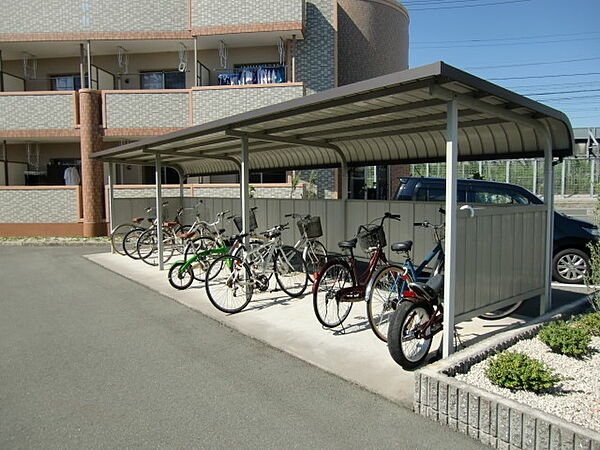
(147,243)
(387,287)
(230,279)
(313,251)
(200,251)
(130,239)
(417,319)
(338,284)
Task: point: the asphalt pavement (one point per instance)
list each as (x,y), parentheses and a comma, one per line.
(89,359)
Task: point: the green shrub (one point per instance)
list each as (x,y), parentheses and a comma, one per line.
(565,339)
(590,323)
(517,371)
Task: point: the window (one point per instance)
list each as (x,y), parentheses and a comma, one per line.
(65,82)
(163,79)
(437,194)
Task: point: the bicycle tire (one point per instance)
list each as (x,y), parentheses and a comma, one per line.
(147,247)
(234,274)
(130,242)
(290,271)
(380,306)
(501,313)
(333,277)
(195,247)
(116,237)
(315,255)
(398,334)
(179,279)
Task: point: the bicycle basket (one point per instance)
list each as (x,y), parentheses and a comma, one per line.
(371,236)
(252,222)
(311,226)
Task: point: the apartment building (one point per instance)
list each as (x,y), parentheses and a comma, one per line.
(92,74)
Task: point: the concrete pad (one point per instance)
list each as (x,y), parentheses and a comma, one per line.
(354,353)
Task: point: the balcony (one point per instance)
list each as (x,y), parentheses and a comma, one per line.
(161,19)
(31,114)
(171,109)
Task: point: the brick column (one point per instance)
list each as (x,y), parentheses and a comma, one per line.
(92,171)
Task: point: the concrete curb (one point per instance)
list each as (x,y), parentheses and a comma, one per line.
(490,418)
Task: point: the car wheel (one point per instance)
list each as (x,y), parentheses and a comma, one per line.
(570,266)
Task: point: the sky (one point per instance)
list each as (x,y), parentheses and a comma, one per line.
(548,50)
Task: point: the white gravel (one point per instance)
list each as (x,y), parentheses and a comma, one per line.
(576,399)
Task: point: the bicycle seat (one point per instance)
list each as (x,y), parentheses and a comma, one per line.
(402,246)
(221,230)
(137,219)
(169,224)
(347,244)
(187,235)
(430,290)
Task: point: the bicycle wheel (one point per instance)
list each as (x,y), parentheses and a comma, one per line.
(229,290)
(199,246)
(382,298)
(130,242)
(315,256)
(147,247)
(178,278)
(501,313)
(328,310)
(116,238)
(404,347)
(290,271)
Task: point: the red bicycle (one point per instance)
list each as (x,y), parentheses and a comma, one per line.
(338,284)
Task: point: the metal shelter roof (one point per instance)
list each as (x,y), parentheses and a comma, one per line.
(396,118)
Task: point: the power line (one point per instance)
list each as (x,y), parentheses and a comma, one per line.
(562,92)
(545,76)
(555,85)
(469,6)
(505,44)
(540,36)
(534,64)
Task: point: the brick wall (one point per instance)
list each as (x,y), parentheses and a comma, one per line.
(75,16)
(37,112)
(209,13)
(45,205)
(147,110)
(211,190)
(325,181)
(315,55)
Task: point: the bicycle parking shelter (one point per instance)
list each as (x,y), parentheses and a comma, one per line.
(431,113)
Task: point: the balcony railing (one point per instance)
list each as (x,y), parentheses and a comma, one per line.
(38,110)
(135,112)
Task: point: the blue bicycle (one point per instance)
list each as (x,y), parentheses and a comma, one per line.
(390,284)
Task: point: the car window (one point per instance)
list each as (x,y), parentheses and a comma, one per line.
(519,199)
(498,197)
(436,194)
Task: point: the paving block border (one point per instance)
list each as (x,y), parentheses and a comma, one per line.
(490,418)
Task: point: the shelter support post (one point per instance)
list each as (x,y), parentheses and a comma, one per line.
(159,212)
(451,223)
(5,157)
(181,180)
(111,198)
(244,186)
(546,301)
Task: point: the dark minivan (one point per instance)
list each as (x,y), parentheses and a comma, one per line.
(571,236)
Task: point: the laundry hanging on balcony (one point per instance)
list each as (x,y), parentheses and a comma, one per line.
(256,74)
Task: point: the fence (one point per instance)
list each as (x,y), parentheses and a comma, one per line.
(500,258)
(575,176)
